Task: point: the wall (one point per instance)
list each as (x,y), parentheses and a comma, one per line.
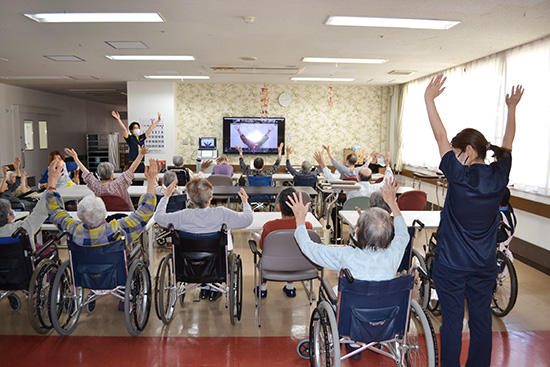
(68,129)
(359,116)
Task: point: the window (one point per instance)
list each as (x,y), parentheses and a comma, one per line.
(29,135)
(43,134)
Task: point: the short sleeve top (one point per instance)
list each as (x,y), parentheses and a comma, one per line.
(134,142)
(469,219)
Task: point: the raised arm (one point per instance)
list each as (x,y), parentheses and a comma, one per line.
(17,166)
(116,115)
(434,89)
(151,173)
(142,150)
(389,191)
(153,125)
(512,101)
(72,153)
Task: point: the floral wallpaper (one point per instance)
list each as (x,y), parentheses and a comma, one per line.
(359,116)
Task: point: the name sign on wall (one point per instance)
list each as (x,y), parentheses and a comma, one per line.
(155,140)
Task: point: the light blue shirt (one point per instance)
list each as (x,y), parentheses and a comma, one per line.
(365,264)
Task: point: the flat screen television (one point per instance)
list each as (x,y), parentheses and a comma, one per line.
(207,143)
(255,135)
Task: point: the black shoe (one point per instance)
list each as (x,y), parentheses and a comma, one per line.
(205,293)
(262,292)
(214,295)
(291,293)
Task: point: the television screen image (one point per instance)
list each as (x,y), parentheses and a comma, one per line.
(207,143)
(255,135)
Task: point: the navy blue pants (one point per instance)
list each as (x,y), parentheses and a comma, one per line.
(452,285)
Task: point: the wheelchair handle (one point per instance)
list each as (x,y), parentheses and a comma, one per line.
(18,232)
(118,235)
(50,244)
(420,224)
(347,275)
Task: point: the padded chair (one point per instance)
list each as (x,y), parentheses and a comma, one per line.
(259,201)
(183,175)
(115,203)
(221,180)
(281,260)
(360,201)
(305,181)
(412,200)
(379,180)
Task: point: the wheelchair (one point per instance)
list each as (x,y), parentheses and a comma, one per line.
(104,270)
(198,259)
(380,316)
(22,269)
(175,203)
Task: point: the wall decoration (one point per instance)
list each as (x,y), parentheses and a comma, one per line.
(264,106)
(330,96)
(155,140)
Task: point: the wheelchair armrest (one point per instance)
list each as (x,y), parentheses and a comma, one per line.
(254,248)
(329,292)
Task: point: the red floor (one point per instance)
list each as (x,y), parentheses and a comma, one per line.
(509,349)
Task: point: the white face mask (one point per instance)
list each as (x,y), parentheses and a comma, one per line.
(136,132)
(458,158)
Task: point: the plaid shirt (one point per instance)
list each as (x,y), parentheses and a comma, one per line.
(118,186)
(101,235)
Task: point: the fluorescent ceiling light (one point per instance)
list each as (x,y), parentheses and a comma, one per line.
(305,79)
(177,77)
(96,17)
(38,77)
(127,45)
(64,58)
(343,60)
(150,57)
(391,22)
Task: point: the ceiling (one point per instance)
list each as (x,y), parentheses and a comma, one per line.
(285,31)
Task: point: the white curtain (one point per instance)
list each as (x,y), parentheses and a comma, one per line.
(475,97)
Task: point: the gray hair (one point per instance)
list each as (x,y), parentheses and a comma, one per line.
(105,170)
(377,201)
(91,211)
(199,192)
(306,167)
(374,229)
(177,160)
(169,177)
(5,210)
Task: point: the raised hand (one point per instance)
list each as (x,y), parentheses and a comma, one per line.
(387,159)
(170,189)
(152,170)
(143,149)
(71,153)
(243,195)
(358,210)
(239,149)
(115,114)
(300,210)
(17,163)
(318,156)
(206,164)
(159,116)
(280,148)
(513,98)
(55,170)
(435,88)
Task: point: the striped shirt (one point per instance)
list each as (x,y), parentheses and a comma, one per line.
(82,235)
(118,186)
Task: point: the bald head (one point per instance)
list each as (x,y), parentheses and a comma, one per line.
(365,174)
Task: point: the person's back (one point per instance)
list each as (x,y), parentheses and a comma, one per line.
(222,167)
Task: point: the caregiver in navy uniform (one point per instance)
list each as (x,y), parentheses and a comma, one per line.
(135,138)
(465,260)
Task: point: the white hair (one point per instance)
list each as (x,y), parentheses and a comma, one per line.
(91,211)
(169,177)
(105,170)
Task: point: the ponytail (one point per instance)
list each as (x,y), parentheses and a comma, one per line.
(499,152)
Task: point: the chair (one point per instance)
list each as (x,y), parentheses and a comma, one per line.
(358,201)
(183,175)
(175,203)
(305,181)
(379,180)
(375,315)
(412,200)
(282,261)
(22,269)
(259,201)
(197,259)
(115,203)
(104,270)
(221,180)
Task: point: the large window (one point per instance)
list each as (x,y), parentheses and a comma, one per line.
(475,97)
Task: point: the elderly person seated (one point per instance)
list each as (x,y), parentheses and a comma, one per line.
(377,201)
(185,174)
(376,255)
(305,177)
(31,223)
(69,167)
(9,187)
(167,179)
(222,167)
(258,169)
(349,170)
(203,219)
(91,229)
(107,184)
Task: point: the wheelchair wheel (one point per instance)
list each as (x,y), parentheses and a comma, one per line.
(157,290)
(432,304)
(39,296)
(303,348)
(90,307)
(324,344)
(15,302)
(421,291)
(421,344)
(235,287)
(167,290)
(137,298)
(64,302)
(505,292)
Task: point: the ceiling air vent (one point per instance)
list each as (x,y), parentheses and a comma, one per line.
(255,70)
(402,72)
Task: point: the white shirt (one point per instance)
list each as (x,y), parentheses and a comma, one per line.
(366,187)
